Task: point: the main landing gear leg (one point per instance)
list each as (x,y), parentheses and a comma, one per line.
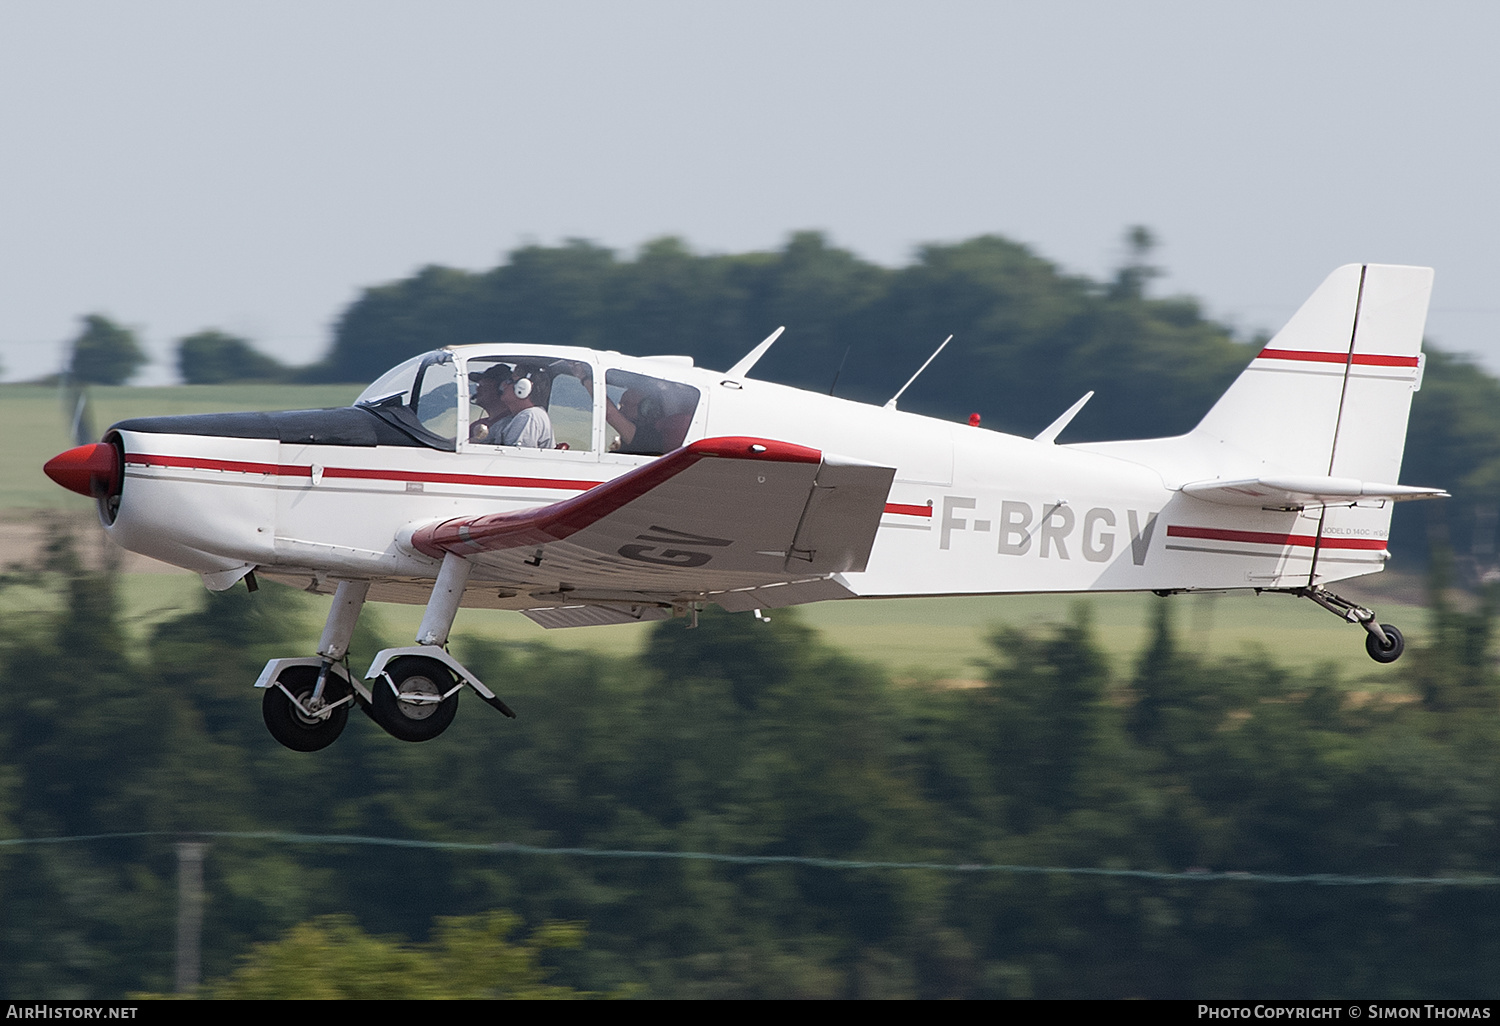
(414,691)
(339,628)
(307,701)
(1384,642)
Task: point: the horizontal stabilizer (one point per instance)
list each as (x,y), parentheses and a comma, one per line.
(1282,492)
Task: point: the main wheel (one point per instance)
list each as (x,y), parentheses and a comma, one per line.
(418,712)
(1385,653)
(290,725)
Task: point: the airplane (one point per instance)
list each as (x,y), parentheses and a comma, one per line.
(582,487)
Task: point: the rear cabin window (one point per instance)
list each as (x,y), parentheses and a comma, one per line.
(647,416)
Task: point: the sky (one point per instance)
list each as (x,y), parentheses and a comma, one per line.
(252,166)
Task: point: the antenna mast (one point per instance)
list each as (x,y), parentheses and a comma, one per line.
(892,404)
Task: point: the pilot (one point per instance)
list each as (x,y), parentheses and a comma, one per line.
(506,394)
(487,385)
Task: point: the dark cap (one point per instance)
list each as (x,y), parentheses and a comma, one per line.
(500,372)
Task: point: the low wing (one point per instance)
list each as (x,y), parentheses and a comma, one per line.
(723,519)
(1284,492)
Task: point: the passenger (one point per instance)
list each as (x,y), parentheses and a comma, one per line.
(638,420)
(635,428)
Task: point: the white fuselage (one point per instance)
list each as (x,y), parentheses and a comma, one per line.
(971,511)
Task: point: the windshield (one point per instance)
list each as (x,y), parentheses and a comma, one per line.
(420,397)
(395,382)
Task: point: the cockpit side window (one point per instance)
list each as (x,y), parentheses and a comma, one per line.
(648,416)
(531,402)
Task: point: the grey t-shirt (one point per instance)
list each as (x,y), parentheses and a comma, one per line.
(531,429)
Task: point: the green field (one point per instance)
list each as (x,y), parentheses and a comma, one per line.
(936,639)
(926,639)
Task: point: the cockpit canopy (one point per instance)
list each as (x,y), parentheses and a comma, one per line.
(437,398)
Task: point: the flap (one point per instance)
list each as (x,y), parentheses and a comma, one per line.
(553,617)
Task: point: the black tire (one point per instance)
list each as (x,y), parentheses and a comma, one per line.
(286,722)
(1385,653)
(413,721)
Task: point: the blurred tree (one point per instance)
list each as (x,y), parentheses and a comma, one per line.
(1453,442)
(1046,712)
(80,741)
(104,353)
(1455,670)
(438,306)
(212,357)
(1135,273)
(469,957)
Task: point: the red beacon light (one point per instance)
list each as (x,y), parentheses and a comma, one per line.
(973,420)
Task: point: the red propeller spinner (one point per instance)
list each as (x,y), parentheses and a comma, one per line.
(92,470)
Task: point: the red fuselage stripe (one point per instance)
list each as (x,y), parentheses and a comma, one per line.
(1360,359)
(530,526)
(1273,538)
(535,526)
(356,473)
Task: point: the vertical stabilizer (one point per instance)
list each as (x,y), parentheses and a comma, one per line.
(1329,397)
(1330,394)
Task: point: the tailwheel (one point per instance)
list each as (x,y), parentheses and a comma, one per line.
(415,699)
(307,724)
(1384,642)
(1388,651)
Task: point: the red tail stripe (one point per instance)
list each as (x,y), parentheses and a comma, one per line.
(911,511)
(1361,359)
(1273,538)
